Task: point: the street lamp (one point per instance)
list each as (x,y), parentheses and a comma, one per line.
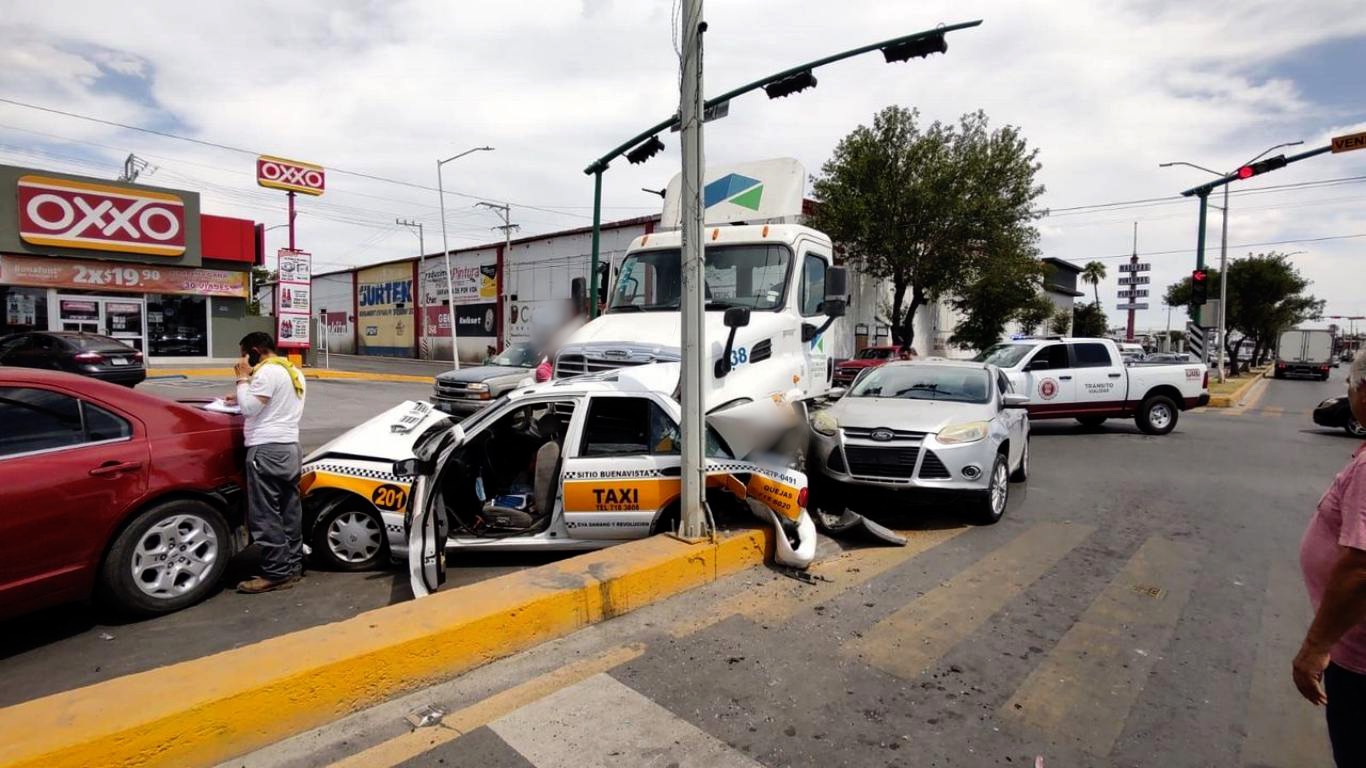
(446,251)
(1223,246)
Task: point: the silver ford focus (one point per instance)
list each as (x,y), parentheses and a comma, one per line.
(933,426)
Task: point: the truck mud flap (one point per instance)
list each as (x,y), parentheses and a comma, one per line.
(852,525)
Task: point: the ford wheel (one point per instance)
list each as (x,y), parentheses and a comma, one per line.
(170,556)
(990,502)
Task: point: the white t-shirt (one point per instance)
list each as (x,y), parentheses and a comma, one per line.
(278,419)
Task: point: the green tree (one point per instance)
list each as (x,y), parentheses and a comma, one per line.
(1035,312)
(1088,320)
(1266,296)
(260,276)
(1061,322)
(996,298)
(930,209)
(1092,274)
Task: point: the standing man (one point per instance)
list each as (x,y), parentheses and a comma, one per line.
(1330,668)
(270,392)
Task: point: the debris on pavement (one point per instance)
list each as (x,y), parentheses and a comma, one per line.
(426,717)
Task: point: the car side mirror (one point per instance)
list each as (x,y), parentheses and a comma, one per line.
(1015,401)
(736,317)
(408,468)
(835,302)
(836,393)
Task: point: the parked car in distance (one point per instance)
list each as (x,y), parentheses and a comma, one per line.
(932,426)
(1169,357)
(1085,379)
(1131,353)
(86,354)
(467,390)
(869,357)
(112,492)
(1337,412)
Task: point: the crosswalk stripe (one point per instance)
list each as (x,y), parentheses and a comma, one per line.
(779,600)
(915,636)
(1084,688)
(416,742)
(1282,729)
(601,722)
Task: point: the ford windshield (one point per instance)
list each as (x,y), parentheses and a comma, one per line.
(753,276)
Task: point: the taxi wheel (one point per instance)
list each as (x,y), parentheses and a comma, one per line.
(169,557)
(350,537)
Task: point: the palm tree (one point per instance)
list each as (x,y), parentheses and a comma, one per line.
(1093,273)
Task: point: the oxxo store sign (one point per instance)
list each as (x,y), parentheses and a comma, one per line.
(76,214)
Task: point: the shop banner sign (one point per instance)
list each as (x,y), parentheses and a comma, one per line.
(474,320)
(470,282)
(79,214)
(122,278)
(292,299)
(290,175)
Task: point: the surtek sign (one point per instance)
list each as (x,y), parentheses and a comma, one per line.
(79,214)
(290,175)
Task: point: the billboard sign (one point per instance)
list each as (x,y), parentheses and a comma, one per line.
(292,299)
(1134,280)
(79,214)
(121,277)
(1141,266)
(290,175)
(471,282)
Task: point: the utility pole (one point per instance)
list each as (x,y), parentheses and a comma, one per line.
(414,225)
(693,520)
(446,252)
(1223,290)
(506,211)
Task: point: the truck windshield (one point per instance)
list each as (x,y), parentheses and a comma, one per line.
(1004,355)
(753,276)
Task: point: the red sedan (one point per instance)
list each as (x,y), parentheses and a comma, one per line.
(112,492)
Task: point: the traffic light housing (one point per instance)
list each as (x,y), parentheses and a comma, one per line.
(918,48)
(646,150)
(1199,287)
(790,85)
(1262,166)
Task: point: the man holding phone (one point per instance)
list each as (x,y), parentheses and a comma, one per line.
(270,392)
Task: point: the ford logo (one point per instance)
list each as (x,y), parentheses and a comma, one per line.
(881,435)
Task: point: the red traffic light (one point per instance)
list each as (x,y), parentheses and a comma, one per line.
(1199,275)
(1246,172)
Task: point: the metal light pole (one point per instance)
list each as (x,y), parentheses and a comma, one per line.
(505,210)
(446,252)
(693,522)
(1223,249)
(414,225)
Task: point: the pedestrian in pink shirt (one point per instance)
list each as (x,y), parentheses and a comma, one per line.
(1330,668)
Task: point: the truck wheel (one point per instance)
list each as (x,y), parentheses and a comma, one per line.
(168,558)
(350,537)
(1157,415)
(990,503)
(1091,421)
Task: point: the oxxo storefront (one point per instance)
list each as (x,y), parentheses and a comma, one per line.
(138,263)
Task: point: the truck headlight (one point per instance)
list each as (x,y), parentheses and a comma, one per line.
(477,387)
(824,423)
(970,432)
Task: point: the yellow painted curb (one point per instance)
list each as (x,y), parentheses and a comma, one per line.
(1232,399)
(246,698)
(311,373)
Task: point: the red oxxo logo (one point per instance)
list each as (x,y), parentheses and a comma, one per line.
(291,175)
(79,214)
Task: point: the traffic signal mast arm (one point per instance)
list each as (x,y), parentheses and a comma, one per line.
(1255,169)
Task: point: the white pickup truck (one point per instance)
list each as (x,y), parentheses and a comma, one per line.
(1086,379)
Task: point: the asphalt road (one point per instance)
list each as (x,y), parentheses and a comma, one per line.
(1138,606)
(74,645)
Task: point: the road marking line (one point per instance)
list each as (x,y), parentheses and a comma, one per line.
(778,600)
(910,640)
(602,722)
(1282,729)
(453,726)
(1085,687)
(1273,411)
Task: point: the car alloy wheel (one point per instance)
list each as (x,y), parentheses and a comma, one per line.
(1000,488)
(354,537)
(1354,427)
(173,557)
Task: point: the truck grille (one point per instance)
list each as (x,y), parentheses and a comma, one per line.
(574,364)
(868,461)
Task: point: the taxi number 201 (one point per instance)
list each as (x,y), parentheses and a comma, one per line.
(389,497)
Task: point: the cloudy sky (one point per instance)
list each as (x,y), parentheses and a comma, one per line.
(1105,90)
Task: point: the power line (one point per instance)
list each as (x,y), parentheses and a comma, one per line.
(1297,241)
(1171,199)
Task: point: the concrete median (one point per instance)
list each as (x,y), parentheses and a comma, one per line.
(207,710)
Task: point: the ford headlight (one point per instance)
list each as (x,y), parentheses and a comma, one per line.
(824,423)
(970,432)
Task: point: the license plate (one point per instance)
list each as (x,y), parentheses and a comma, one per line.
(119,360)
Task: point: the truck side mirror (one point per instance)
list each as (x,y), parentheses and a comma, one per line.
(735,317)
(836,291)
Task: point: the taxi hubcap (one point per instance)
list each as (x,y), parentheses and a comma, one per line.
(354,537)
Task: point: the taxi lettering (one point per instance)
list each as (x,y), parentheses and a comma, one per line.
(617,498)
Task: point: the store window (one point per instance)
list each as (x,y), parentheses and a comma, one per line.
(25,309)
(177,326)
